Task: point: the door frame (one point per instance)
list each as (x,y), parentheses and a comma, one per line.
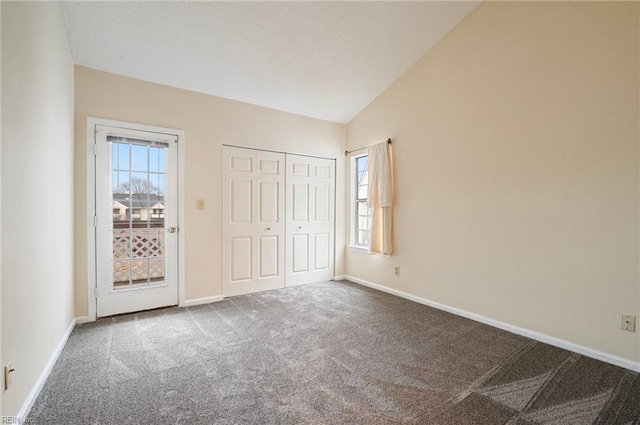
(92,279)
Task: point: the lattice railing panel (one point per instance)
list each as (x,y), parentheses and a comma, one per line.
(139,252)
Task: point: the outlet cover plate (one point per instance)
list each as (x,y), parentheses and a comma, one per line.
(628,323)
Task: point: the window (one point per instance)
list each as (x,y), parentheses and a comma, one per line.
(362,219)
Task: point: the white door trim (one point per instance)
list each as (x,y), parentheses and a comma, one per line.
(91,204)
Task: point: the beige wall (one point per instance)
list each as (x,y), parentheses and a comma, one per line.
(208,122)
(516,158)
(37,192)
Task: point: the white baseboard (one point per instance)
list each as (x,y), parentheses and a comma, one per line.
(580,349)
(83,319)
(203,300)
(339,277)
(35,391)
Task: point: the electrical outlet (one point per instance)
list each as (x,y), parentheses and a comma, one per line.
(396,271)
(199,204)
(8,375)
(628,323)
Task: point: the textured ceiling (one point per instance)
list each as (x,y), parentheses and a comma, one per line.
(326,60)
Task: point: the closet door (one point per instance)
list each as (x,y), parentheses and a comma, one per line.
(310,198)
(253,221)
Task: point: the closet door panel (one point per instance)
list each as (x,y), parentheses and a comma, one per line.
(310,204)
(253,220)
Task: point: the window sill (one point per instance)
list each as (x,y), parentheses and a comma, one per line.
(358,248)
(365,250)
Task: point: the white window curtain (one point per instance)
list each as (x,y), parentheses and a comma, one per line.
(380,198)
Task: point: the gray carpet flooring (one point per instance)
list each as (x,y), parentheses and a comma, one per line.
(326,353)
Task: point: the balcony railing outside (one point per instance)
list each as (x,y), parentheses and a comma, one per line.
(138,252)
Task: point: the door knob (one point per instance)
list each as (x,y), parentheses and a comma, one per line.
(172,229)
(268,228)
(299,227)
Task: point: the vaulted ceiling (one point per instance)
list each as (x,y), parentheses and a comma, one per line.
(326,60)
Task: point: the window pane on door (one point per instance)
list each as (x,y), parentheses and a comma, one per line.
(156,160)
(138,175)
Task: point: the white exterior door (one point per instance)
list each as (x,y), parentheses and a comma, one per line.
(253,220)
(310,201)
(136,220)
